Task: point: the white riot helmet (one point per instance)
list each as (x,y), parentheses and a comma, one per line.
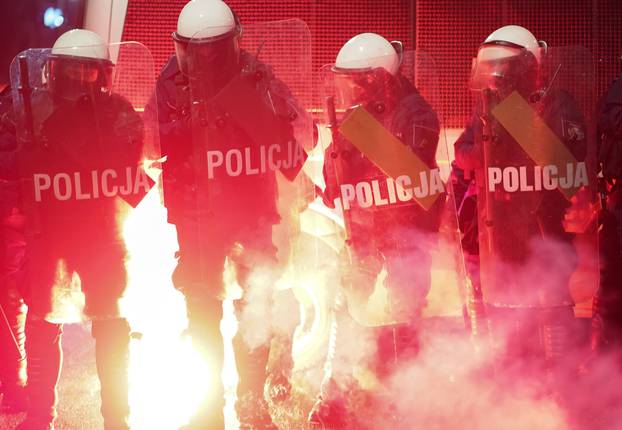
(79,65)
(367,51)
(207,34)
(503,39)
(366,69)
(508,59)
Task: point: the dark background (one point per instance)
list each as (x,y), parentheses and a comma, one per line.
(448,30)
(21,27)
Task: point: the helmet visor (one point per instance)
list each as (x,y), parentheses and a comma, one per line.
(503,68)
(73,77)
(199,56)
(492,67)
(354,86)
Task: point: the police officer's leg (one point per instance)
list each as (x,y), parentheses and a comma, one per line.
(252,342)
(558,334)
(43,346)
(255,265)
(359,268)
(251,361)
(408,283)
(112,341)
(257,338)
(12,321)
(199,276)
(43,342)
(516,338)
(558,324)
(103,282)
(12,349)
(204,316)
(607,318)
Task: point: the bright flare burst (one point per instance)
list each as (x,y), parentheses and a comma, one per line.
(168,377)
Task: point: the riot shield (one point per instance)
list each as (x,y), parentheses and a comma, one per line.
(83,163)
(537,194)
(387,171)
(239,235)
(250,137)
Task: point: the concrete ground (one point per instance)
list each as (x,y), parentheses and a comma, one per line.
(78,388)
(447,398)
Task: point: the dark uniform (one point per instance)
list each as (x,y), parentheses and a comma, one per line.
(401,235)
(465,194)
(224,216)
(79,225)
(12,256)
(521,218)
(608,302)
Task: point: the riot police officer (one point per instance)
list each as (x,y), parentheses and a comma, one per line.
(523,225)
(226,129)
(79,159)
(607,318)
(12,255)
(387,229)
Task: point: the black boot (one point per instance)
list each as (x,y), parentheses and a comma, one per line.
(330,410)
(13,353)
(112,341)
(558,327)
(43,347)
(252,407)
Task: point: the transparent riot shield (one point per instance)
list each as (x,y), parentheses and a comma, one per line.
(386,172)
(535,137)
(250,137)
(239,232)
(249,92)
(83,161)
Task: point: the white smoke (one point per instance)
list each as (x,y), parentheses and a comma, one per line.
(454,382)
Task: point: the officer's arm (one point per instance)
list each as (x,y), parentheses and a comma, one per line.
(157,112)
(610,119)
(8,176)
(297,123)
(161,110)
(128,124)
(7,164)
(468,154)
(330,178)
(574,128)
(426,131)
(8,146)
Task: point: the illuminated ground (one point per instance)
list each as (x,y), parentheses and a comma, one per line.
(79,388)
(438,393)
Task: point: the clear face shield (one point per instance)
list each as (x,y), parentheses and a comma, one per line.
(355,85)
(207,57)
(70,78)
(359,87)
(504,68)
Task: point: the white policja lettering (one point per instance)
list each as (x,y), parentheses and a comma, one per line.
(87,186)
(385,192)
(521,179)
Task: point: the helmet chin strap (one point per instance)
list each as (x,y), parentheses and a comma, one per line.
(399,48)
